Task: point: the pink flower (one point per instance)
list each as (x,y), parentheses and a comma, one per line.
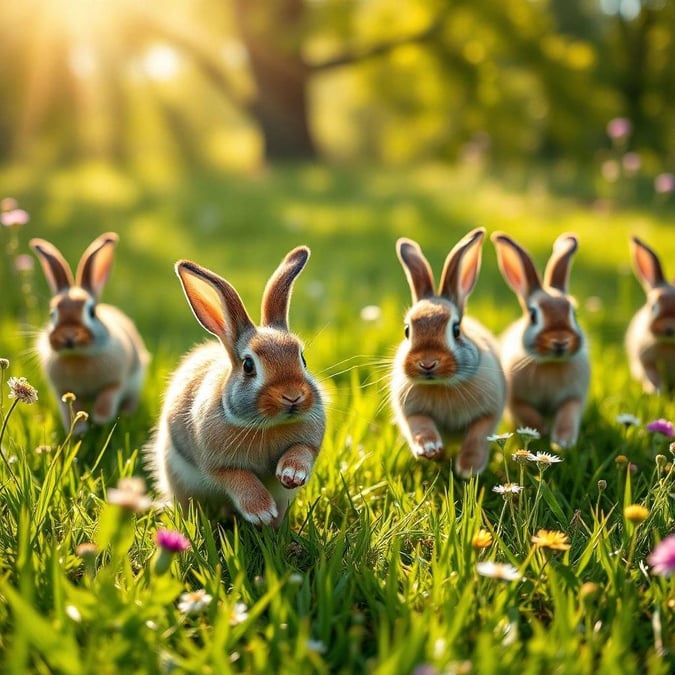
(662,426)
(24,263)
(619,128)
(14,218)
(631,162)
(662,558)
(664,183)
(172,541)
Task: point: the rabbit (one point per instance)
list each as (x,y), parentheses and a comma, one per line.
(242,420)
(446,376)
(650,338)
(90,349)
(545,352)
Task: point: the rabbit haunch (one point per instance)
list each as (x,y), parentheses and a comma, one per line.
(242,420)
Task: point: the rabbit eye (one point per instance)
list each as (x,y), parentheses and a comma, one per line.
(406,331)
(92,312)
(52,315)
(248,365)
(456,330)
(533,315)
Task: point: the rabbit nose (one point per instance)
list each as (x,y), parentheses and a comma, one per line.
(560,347)
(427,366)
(293,398)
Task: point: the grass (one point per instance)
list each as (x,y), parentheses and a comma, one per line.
(374,569)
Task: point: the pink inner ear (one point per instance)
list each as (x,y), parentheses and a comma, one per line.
(645,265)
(513,269)
(469,272)
(206,304)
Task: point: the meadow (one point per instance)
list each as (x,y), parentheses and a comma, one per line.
(377,567)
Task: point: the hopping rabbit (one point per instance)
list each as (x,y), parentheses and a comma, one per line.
(446,374)
(544,353)
(242,420)
(650,339)
(90,349)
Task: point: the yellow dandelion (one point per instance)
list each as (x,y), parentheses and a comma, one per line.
(553,539)
(482,539)
(636,513)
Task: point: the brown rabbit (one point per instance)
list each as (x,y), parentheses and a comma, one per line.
(446,375)
(243,420)
(89,349)
(650,339)
(544,353)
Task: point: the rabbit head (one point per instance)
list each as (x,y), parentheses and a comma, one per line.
(268,383)
(438,351)
(660,293)
(74,325)
(551,331)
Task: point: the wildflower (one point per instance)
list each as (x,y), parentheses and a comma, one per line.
(4,364)
(482,539)
(664,183)
(545,459)
(662,426)
(68,397)
(628,420)
(8,204)
(619,128)
(636,513)
(239,614)
(507,489)
(24,263)
(631,162)
(621,460)
(610,170)
(14,218)
(130,495)
(21,390)
(194,602)
(588,589)
(172,541)
(661,461)
(86,549)
(370,313)
(169,543)
(662,558)
(671,447)
(43,449)
(316,646)
(499,438)
(495,570)
(528,432)
(523,455)
(552,539)
(602,485)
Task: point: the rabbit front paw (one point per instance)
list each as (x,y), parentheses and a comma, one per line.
(258,508)
(294,466)
(427,444)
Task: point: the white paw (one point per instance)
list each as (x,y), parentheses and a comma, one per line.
(262,512)
(292,476)
(428,448)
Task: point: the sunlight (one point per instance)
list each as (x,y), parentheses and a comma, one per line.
(161,62)
(76,20)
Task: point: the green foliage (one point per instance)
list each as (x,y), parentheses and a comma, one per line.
(374,570)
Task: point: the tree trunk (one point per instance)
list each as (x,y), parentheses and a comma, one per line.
(270,32)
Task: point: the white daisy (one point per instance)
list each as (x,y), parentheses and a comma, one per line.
(628,420)
(194,602)
(545,458)
(528,431)
(507,489)
(496,570)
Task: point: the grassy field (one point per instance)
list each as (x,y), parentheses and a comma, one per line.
(374,569)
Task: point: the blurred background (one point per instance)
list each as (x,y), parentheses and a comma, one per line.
(232,84)
(229,131)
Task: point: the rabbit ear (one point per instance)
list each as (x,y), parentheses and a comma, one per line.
(95,263)
(557,270)
(215,303)
(417,268)
(516,266)
(277,293)
(54,265)
(647,264)
(461,267)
